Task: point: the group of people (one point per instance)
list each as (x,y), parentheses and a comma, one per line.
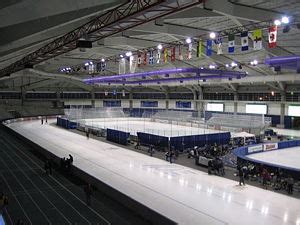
(209,151)
(42,120)
(66,163)
(276,179)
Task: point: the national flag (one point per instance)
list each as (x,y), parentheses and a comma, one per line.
(151,58)
(231,43)
(139,60)
(173,52)
(199,49)
(257,39)
(244,41)
(209,47)
(165,55)
(158,56)
(272,36)
(189,51)
(180,53)
(145,58)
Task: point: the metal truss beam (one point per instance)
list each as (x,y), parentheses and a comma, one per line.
(123,17)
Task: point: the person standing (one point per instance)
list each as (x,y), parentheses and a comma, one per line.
(171,156)
(42,121)
(290,184)
(241,176)
(88,193)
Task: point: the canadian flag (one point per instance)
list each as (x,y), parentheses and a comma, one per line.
(273,37)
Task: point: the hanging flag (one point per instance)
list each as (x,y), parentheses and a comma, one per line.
(122,66)
(131,65)
(231,43)
(199,49)
(158,56)
(257,39)
(151,58)
(272,36)
(189,51)
(209,47)
(244,41)
(218,42)
(139,60)
(145,58)
(180,53)
(173,52)
(103,66)
(165,55)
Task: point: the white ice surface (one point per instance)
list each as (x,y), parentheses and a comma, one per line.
(289,157)
(139,125)
(185,195)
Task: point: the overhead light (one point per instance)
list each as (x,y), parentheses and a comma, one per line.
(91,63)
(212,67)
(121,56)
(254,62)
(226,65)
(188,40)
(212,35)
(102,60)
(201,67)
(233,64)
(277,22)
(128,54)
(285,20)
(86,64)
(272,93)
(159,47)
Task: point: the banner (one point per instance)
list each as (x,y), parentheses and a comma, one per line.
(244,41)
(231,43)
(158,56)
(199,49)
(145,58)
(180,53)
(270,146)
(273,37)
(173,52)
(165,55)
(151,58)
(122,66)
(257,39)
(255,148)
(209,47)
(189,51)
(139,60)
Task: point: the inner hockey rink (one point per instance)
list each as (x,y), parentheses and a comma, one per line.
(145,125)
(289,157)
(180,193)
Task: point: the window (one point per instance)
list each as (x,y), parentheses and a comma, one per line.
(294,110)
(111,103)
(149,103)
(215,107)
(256,108)
(181,104)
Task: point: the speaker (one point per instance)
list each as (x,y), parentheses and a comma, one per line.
(84,44)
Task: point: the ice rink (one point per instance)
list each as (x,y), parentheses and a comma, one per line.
(185,195)
(289,157)
(145,125)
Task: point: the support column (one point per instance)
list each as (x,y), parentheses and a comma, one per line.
(167,100)
(130,101)
(93,98)
(235,103)
(58,99)
(200,103)
(23,95)
(282,109)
